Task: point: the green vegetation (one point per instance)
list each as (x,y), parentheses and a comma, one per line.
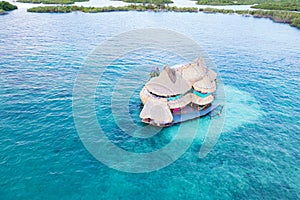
(51,1)
(291,18)
(2,12)
(247,2)
(227,2)
(67,9)
(215,10)
(155,2)
(290,6)
(5,6)
(149,7)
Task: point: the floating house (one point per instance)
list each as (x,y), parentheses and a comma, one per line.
(179,93)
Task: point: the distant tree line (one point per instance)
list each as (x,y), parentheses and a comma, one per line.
(150,7)
(244,2)
(279,5)
(292,18)
(155,2)
(51,1)
(144,2)
(6,6)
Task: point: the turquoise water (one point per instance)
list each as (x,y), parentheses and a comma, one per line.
(42,157)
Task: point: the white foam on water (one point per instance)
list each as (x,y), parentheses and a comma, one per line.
(241,108)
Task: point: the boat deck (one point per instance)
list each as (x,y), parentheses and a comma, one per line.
(189,113)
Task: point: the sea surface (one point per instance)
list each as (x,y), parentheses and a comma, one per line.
(41,153)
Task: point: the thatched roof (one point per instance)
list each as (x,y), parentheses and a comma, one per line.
(201,101)
(178,80)
(157,111)
(180,103)
(205,85)
(212,74)
(192,72)
(168,83)
(145,96)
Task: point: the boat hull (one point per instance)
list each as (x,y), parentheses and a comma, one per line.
(178,118)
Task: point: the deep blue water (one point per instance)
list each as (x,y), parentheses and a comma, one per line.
(42,156)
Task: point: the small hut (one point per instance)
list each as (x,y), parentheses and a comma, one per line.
(178,90)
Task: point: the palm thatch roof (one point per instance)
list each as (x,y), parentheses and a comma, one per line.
(145,96)
(212,74)
(180,103)
(205,85)
(201,101)
(160,94)
(158,111)
(201,64)
(168,83)
(192,72)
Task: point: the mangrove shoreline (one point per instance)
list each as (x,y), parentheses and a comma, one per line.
(287,17)
(64,2)
(5,7)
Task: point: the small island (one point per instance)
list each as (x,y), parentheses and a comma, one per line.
(287,5)
(155,2)
(51,1)
(291,18)
(266,4)
(132,7)
(6,6)
(227,2)
(279,5)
